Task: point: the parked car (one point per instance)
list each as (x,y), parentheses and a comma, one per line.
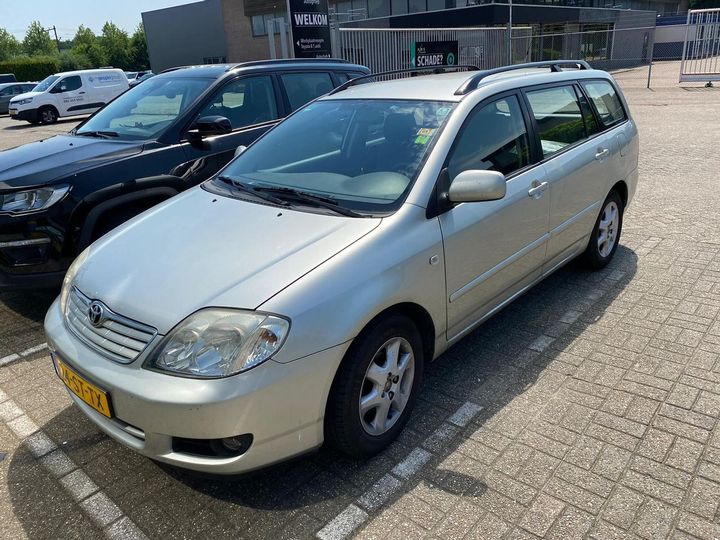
(70,93)
(142,76)
(10,90)
(296,297)
(178,128)
(131,75)
(7,77)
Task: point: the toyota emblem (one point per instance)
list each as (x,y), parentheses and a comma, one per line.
(96,314)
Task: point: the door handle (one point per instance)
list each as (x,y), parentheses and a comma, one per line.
(602,153)
(537,189)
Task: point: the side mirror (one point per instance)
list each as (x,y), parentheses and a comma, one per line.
(239,150)
(208,126)
(476,186)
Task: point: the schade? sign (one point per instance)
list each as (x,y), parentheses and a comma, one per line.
(434,53)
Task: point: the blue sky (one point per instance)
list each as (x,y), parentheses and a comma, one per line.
(67,15)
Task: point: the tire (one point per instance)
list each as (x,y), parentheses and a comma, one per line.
(361,373)
(47,115)
(609,226)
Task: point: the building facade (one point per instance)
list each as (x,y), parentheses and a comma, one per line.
(213,31)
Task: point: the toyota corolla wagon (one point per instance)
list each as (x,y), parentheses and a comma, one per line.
(296,297)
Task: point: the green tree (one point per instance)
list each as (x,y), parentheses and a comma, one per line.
(87,49)
(139,58)
(116,44)
(9,45)
(37,41)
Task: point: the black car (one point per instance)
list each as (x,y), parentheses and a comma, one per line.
(170,133)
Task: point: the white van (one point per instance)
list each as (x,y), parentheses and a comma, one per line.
(68,94)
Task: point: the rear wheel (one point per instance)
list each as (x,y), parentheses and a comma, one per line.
(376,387)
(606,233)
(47,115)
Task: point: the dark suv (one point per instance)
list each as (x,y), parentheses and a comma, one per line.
(170,133)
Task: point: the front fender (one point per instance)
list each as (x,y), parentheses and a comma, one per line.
(399,262)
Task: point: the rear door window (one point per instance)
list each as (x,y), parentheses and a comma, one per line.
(558,117)
(302,88)
(606,101)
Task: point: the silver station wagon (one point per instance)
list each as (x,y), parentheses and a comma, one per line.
(295,298)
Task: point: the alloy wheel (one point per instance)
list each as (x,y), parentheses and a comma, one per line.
(608,229)
(387,386)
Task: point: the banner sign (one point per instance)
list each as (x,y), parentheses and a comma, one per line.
(433,53)
(310,26)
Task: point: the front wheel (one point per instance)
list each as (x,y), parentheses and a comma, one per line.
(605,236)
(48,115)
(375,388)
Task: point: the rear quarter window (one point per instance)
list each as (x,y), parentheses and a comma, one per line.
(606,101)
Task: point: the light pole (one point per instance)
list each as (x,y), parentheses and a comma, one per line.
(509,33)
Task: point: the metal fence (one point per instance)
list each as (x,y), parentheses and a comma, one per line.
(701,50)
(383,49)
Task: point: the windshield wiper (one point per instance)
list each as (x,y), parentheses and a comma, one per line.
(309,198)
(240,186)
(99,134)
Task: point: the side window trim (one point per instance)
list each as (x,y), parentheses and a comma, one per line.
(613,125)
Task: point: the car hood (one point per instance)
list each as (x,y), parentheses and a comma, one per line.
(41,162)
(199,250)
(25,96)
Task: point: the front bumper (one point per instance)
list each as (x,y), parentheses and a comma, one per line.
(29,115)
(281,405)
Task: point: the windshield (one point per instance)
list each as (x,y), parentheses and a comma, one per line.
(364,154)
(46,83)
(143,112)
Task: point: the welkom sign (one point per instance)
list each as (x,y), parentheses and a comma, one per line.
(310,27)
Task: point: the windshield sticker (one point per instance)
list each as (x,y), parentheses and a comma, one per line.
(424,135)
(442,112)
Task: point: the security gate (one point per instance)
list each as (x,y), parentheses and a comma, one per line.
(701,50)
(383,49)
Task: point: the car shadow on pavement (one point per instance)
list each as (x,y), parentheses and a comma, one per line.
(513,362)
(22,125)
(31,304)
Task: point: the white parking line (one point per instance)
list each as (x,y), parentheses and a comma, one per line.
(17,356)
(345,523)
(93,502)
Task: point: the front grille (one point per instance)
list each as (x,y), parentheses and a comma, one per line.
(117,337)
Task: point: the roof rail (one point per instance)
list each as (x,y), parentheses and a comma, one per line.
(555,65)
(289,61)
(411,71)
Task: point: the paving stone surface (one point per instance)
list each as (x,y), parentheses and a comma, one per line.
(586,409)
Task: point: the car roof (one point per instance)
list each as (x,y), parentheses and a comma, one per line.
(6,84)
(445,86)
(81,71)
(218,70)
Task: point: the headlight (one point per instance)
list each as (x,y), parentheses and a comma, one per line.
(216,343)
(19,202)
(70,277)
(22,101)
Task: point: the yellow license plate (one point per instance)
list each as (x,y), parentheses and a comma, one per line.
(89,393)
